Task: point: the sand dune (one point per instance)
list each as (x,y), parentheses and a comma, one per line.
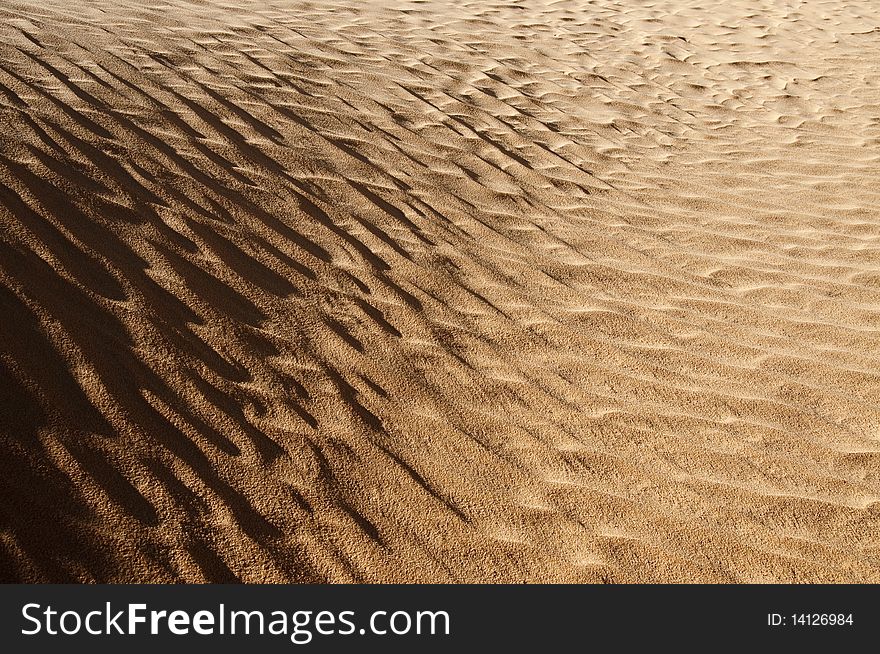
(440,291)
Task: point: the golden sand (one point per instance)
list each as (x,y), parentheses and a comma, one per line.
(440,291)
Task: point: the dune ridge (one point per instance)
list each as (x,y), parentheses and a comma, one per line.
(439,291)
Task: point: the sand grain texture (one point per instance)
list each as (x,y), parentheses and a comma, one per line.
(438,291)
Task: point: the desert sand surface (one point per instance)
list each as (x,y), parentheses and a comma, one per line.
(539,291)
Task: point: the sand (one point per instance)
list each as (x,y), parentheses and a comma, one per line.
(539,291)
